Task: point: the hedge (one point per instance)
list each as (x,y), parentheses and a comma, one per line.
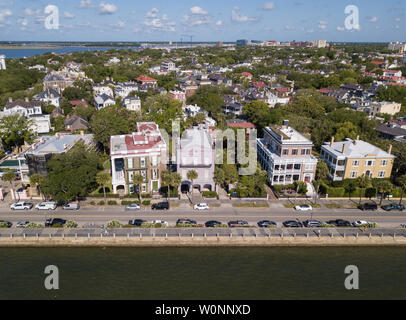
(112,203)
(209,194)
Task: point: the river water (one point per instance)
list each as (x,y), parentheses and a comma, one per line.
(203,273)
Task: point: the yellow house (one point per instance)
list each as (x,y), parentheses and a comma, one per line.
(350,159)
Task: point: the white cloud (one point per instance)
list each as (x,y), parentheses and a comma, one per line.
(68,15)
(86,4)
(373,19)
(5,13)
(268,6)
(397,19)
(155,23)
(107,8)
(288,28)
(7,4)
(322,25)
(219,23)
(340,28)
(198,11)
(237,16)
(119,25)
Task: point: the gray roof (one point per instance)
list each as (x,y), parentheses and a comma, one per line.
(356,149)
(55,145)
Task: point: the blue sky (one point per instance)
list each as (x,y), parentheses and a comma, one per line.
(207,20)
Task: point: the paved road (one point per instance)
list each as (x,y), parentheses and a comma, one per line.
(100,216)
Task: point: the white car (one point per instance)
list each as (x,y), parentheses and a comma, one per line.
(161,222)
(360,223)
(201,206)
(304,207)
(46,206)
(21,206)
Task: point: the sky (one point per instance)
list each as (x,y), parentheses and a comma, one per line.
(205,20)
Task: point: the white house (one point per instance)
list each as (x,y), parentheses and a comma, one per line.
(41,123)
(132,103)
(50,97)
(124,89)
(2,62)
(99,90)
(103,101)
(25,108)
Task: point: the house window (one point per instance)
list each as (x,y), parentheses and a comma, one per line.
(298,166)
(144,174)
(381,174)
(130,163)
(143,162)
(294,152)
(154,160)
(355,163)
(275,178)
(370,163)
(154,174)
(285,152)
(307,151)
(303,152)
(144,188)
(384,163)
(354,174)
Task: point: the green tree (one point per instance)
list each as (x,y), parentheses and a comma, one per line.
(350,187)
(15,130)
(192,175)
(219,176)
(402,183)
(230,174)
(383,187)
(175,180)
(363,182)
(72,175)
(103,179)
(10,176)
(138,180)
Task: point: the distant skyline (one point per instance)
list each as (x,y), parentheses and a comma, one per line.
(209,20)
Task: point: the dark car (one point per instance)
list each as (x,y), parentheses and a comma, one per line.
(339,223)
(393,207)
(293,224)
(312,224)
(9,224)
(136,222)
(266,224)
(237,223)
(160,206)
(369,206)
(54,222)
(186,222)
(212,224)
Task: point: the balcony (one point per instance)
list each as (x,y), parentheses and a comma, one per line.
(119,178)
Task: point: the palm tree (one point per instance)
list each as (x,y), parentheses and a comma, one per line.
(363,182)
(402,183)
(192,175)
(138,179)
(10,176)
(166,181)
(103,179)
(383,187)
(176,180)
(219,176)
(36,179)
(350,188)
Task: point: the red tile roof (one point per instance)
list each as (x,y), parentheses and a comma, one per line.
(259,84)
(144,78)
(243,125)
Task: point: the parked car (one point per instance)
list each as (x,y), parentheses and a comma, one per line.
(312,224)
(161,222)
(22,224)
(212,224)
(201,206)
(160,206)
(304,207)
(54,221)
(293,224)
(369,206)
(9,224)
(21,206)
(133,206)
(136,222)
(46,206)
(186,222)
(360,223)
(339,223)
(266,224)
(393,207)
(237,223)
(73,205)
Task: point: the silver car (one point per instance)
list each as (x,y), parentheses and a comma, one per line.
(133,206)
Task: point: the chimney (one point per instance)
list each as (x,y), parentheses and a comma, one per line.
(332,142)
(390,149)
(285,123)
(344,148)
(10,99)
(357,138)
(65,146)
(82,133)
(26,99)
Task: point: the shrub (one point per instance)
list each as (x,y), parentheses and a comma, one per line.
(57,225)
(33,225)
(146,202)
(101,203)
(127,203)
(209,194)
(112,202)
(109,195)
(92,203)
(3,225)
(114,224)
(71,225)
